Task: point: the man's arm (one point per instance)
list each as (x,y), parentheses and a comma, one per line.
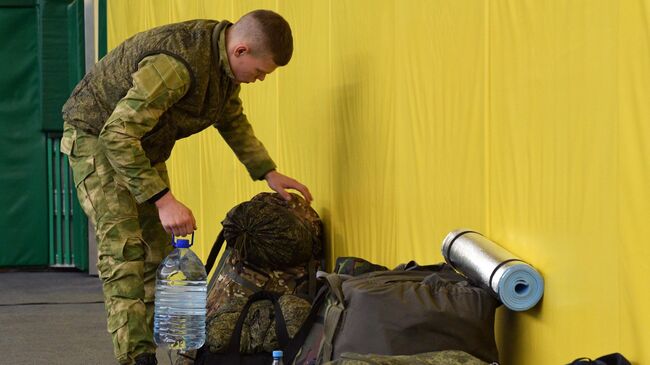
(159,82)
(238,133)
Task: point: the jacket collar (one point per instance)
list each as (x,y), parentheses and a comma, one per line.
(219,47)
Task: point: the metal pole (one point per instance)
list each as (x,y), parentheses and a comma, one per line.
(50,195)
(66,210)
(95,28)
(57,202)
(71,220)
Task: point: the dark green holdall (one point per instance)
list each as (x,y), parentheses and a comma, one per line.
(408,311)
(307,351)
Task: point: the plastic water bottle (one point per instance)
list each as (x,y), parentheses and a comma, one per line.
(277,357)
(181,294)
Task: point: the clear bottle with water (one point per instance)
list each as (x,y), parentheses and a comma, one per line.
(181,294)
(277,357)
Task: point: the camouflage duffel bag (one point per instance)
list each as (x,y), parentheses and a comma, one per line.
(449,357)
(235,280)
(257,332)
(273,246)
(270,232)
(266,322)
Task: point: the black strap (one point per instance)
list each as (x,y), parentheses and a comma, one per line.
(280,324)
(497,268)
(291,351)
(214,252)
(312,284)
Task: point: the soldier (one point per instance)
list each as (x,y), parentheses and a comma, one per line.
(121,123)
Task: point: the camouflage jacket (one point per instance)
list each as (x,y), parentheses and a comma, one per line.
(157,87)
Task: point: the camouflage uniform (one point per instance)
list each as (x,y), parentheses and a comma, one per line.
(121,123)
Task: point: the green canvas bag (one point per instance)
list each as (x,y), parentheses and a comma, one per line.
(313,330)
(409,311)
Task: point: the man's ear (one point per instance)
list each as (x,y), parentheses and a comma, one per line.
(241,49)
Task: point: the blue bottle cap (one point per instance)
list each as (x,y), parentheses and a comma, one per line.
(183,243)
(277,354)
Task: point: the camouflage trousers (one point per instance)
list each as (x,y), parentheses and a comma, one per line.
(131,243)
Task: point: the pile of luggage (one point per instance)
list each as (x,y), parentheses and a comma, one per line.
(268,292)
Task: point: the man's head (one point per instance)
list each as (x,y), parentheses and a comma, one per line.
(257,44)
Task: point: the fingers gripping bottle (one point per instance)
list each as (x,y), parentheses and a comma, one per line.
(181,293)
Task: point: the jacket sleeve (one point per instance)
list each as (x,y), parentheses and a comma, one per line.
(238,133)
(159,82)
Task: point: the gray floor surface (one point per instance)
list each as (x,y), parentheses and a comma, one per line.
(52,318)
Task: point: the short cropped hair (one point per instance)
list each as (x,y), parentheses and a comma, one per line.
(273,33)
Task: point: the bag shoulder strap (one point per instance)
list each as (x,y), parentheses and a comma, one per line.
(214,252)
(333,316)
(291,351)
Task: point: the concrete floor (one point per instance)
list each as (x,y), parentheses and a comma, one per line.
(53,318)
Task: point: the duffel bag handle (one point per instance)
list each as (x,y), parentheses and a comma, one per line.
(280,324)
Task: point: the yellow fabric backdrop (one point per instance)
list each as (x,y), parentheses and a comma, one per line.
(525,120)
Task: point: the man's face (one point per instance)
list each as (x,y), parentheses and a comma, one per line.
(248,68)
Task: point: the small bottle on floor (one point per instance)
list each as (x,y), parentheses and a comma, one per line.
(277,358)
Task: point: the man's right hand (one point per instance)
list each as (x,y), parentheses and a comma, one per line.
(175,217)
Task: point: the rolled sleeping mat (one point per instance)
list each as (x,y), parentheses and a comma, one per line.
(517,284)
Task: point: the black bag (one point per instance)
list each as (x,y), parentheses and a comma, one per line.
(611,359)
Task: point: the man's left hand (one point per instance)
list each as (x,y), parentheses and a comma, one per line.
(279,183)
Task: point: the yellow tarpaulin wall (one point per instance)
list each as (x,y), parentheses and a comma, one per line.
(528,121)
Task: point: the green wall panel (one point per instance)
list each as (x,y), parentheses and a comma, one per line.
(23,223)
(62,56)
(17,3)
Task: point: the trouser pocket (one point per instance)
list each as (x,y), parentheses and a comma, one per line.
(79,148)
